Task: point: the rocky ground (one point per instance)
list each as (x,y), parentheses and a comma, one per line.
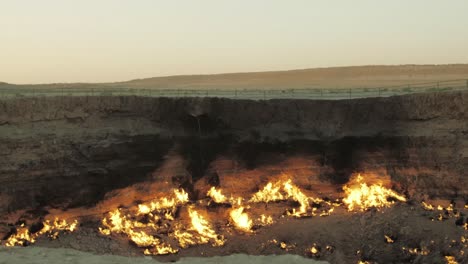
(417,236)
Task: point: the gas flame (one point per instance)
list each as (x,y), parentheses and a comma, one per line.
(23,236)
(162,208)
(240,219)
(428,207)
(286,190)
(216,195)
(203,228)
(269,193)
(360,196)
(451,260)
(266,220)
(180,197)
(417,251)
(314,250)
(121,224)
(388,239)
(295,194)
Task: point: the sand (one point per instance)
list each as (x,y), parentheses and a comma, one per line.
(34,255)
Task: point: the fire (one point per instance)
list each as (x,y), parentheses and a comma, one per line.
(416,251)
(295,194)
(23,236)
(266,220)
(427,206)
(448,211)
(388,239)
(203,228)
(360,196)
(269,193)
(121,224)
(135,230)
(240,219)
(315,250)
(179,197)
(216,195)
(286,190)
(451,260)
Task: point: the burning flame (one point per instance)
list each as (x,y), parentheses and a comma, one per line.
(266,220)
(136,231)
(360,196)
(388,239)
(216,195)
(120,224)
(240,219)
(269,193)
(286,190)
(24,237)
(180,197)
(203,228)
(451,260)
(416,251)
(314,250)
(427,206)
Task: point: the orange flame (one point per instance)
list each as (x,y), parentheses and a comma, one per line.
(240,219)
(50,228)
(216,195)
(361,196)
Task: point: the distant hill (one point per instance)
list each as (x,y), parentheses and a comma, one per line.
(334,77)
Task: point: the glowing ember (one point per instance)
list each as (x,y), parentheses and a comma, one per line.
(216,195)
(388,239)
(360,196)
(451,260)
(447,213)
(285,246)
(314,250)
(240,219)
(417,251)
(427,206)
(51,229)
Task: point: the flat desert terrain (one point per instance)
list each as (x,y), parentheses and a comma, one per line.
(326,78)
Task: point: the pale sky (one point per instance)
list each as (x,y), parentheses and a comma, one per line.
(44,41)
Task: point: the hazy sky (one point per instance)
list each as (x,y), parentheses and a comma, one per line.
(114,40)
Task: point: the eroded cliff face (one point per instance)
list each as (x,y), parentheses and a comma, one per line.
(70,151)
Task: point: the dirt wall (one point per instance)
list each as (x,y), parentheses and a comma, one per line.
(71,151)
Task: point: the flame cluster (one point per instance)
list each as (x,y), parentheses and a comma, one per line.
(360,196)
(148,219)
(23,236)
(443,213)
(152,225)
(286,190)
(144,225)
